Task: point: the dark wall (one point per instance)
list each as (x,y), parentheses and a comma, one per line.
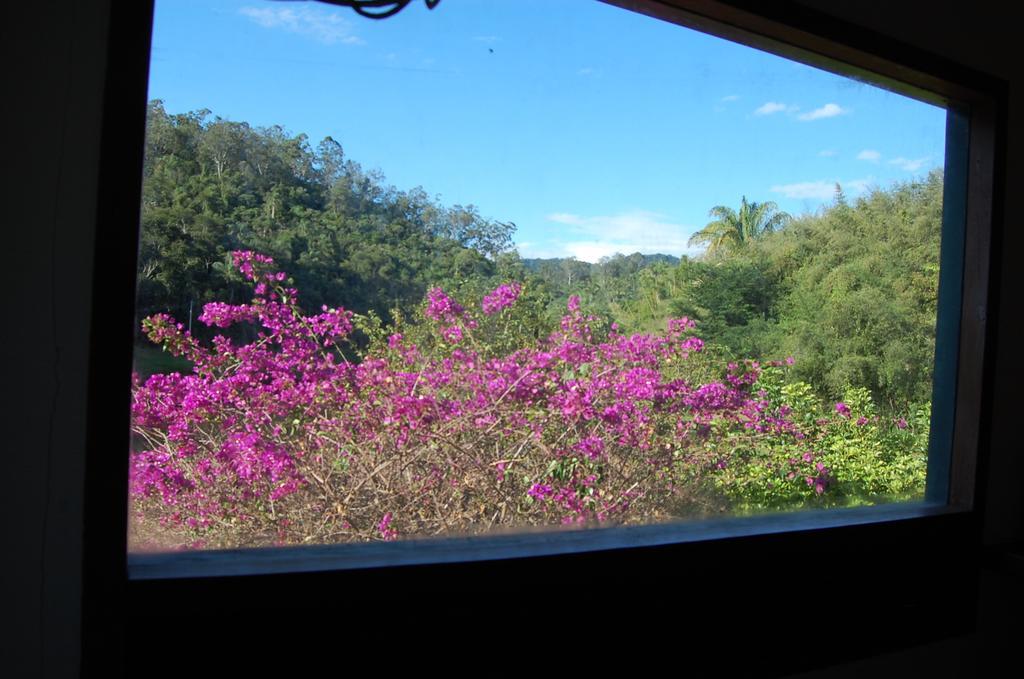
(54,61)
(53,64)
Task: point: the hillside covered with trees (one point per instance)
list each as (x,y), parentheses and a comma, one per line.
(212,186)
(849,292)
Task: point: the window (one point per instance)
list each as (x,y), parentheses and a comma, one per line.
(659,549)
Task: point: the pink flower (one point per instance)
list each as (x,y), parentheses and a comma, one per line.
(540,491)
(592,447)
(677,326)
(843,409)
(453,334)
(441,307)
(223,315)
(386,531)
(501,297)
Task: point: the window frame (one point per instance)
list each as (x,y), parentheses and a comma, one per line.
(935,538)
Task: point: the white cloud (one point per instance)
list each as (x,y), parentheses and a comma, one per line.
(591,238)
(869,155)
(828,153)
(770,107)
(821,190)
(587,71)
(593,251)
(532,250)
(721,105)
(826,111)
(908,164)
(486,39)
(323,25)
(856,187)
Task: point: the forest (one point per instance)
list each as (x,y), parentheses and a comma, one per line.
(319,325)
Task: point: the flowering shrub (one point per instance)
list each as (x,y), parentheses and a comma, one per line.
(848,454)
(502,297)
(443,429)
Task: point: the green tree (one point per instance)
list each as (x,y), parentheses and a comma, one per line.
(212,186)
(732,230)
(862,281)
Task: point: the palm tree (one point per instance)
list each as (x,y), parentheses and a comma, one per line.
(732,230)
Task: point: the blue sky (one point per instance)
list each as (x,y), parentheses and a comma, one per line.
(594,129)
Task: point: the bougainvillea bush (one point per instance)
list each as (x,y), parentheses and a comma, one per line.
(463,422)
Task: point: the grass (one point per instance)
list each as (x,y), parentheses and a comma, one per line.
(150,360)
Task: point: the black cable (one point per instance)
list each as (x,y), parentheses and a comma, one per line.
(376,9)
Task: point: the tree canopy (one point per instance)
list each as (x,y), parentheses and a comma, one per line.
(732,230)
(850,292)
(212,186)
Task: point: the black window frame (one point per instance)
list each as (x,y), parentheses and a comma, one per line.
(936,541)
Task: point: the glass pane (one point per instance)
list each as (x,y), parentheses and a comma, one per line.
(514,264)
